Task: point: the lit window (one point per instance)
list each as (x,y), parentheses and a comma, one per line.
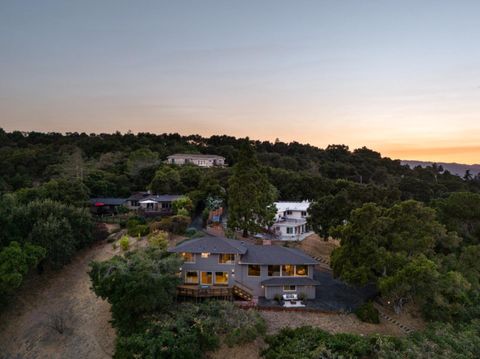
(227,258)
(301,270)
(205,255)
(188,257)
(191,277)
(288,270)
(254,270)
(274,271)
(289,288)
(221,278)
(206,277)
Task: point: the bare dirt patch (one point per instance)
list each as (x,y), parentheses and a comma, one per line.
(318,247)
(25,327)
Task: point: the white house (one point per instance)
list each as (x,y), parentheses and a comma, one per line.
(196,159)
(291,221)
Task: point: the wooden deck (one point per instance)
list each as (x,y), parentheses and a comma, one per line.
(195,291)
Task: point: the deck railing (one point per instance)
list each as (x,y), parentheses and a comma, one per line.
(200,292)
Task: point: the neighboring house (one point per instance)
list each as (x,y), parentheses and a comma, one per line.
(154,205)
(291,221)
(217,266)
(133,202)
(106,205)
(196,159)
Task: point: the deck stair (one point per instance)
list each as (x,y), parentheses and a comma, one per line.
(242,291)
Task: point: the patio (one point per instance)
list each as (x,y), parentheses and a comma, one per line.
(332,295)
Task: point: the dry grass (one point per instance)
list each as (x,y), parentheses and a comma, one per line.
(26,330)
(317,247)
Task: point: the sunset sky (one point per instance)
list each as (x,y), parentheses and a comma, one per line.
(400,77)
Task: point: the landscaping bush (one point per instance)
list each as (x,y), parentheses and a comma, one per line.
(175,224)
(158,239)
(277,298)
(124,243)
(368,313)
(138,230)
(183,212)
(190,331)
(180,224)
(302,297)
(313,343)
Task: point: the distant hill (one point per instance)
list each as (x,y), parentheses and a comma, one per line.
(455,168)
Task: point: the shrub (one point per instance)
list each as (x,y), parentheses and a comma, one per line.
(191,330)
(313,343)
(302,297)
(158,239)
(277,298)
(182,212)
(368,313)
(138,230)
(179,224)
(124,243)
(190,232)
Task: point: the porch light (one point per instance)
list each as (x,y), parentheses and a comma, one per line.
(233,270)
(205,255)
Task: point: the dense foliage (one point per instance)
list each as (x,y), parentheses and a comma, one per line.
(441,341)
(250,195)
(136,284)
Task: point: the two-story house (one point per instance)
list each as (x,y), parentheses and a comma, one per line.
(291,221)
(196,159)
(217,266)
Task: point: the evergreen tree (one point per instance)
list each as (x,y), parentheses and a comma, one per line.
(250,194)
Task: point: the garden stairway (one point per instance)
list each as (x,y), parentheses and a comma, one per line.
(242,291)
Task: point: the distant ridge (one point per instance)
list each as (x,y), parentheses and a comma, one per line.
(455,168)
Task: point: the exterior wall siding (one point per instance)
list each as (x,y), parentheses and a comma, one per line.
(239,272)
(209,264)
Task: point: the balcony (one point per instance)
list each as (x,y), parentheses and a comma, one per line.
(198,291)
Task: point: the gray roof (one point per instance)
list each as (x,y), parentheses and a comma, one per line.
(137,196)
(162,198)
(252,254)
(210,244)
(195,155)
(108,201)
(279,281)
(275,255)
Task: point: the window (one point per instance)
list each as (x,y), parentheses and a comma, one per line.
(227,258)
(289,212)
(221,278)
(254,270)
(206,277)
(205,255)
(301,270)
(289,230)
(289,288)
(304,213)
(191,277)
(288,270)
(188,257)
(274,271)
